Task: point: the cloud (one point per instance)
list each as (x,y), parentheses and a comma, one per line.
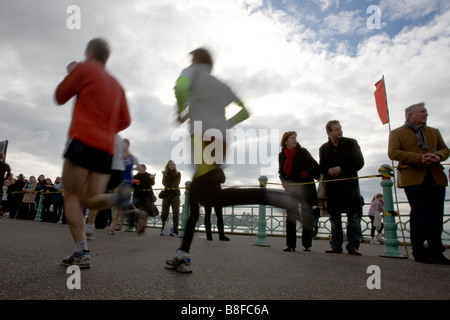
(345,22)
(410,10)
(279,62)
(325,4)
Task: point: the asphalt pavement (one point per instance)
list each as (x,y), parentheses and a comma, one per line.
(126,266)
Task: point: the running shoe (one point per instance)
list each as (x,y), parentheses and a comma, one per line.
(111,230)
(82,260)
(181,265)
(375,241)
(90,231)
(141,221)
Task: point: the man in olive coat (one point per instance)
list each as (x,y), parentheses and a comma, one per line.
(420,150)
(341,158)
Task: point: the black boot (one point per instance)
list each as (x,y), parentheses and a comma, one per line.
(223,237)
(220,225)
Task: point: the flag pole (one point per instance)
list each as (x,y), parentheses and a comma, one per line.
(393,170)
(387,106)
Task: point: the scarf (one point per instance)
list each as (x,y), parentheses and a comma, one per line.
(289,153)
(418,130)
(30,185)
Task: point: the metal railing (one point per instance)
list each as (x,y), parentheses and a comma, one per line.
(244,220)
(271,220)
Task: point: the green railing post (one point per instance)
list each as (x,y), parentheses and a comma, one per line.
(60,221)
(39,209)
(261,235)
(391,241)
(232,219)
(185,213)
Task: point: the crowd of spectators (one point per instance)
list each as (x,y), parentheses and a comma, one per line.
(31,198)
(42,199)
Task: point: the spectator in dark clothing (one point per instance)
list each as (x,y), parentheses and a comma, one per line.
(57,199)
(171,195)
(341,158)
(17,195)
(47,191)
(143,196)
(297,170)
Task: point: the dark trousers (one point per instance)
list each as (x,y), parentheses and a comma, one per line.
(303,195)
(219,216)
(426,215)
(174,202)
(353,230)
(307,231)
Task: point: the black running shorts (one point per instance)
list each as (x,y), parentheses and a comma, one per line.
(115,180)
(88,157)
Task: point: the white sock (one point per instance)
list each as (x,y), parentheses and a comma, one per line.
(90,228)
(182,254)
(81,246)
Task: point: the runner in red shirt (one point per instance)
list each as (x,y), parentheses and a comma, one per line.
(100,112)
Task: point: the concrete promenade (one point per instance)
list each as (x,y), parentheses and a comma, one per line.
(131,267)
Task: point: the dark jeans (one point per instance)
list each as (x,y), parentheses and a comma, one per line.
(174,202)
(426,215)
(353,230)
(302,193)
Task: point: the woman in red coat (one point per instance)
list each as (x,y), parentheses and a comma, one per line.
(297,166)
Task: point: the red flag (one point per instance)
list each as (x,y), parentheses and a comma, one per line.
(381,101)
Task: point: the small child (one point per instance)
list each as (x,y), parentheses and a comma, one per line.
(376,208)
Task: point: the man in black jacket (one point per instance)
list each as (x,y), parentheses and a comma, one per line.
(341,158)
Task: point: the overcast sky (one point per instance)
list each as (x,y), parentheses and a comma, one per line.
(296,65)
